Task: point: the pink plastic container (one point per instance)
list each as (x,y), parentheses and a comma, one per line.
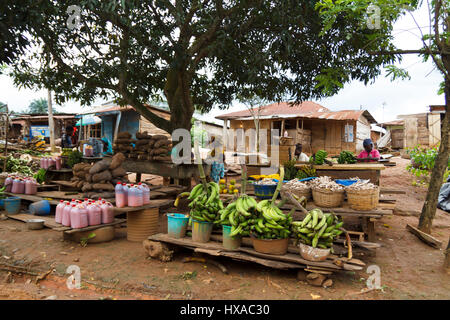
(15,186)
(107,212)
(139,196)
(78,217)
(94,214)
(58,163)
(8,184)
(146,193)
(121,198)
(66,214)
(30,187)
(133,200)
(84,216)
(59,211)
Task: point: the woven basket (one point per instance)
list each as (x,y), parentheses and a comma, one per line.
(326,198)
(299,193)
(363,199)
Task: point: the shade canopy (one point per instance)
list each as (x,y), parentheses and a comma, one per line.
(88,119)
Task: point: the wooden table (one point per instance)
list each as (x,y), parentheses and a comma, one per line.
(346,171)
(367,218)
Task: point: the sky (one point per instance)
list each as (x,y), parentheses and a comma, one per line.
(384,99)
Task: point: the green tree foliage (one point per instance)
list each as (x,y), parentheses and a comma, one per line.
(39,106)
(197,54)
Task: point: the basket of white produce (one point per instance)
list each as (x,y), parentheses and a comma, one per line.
(297,188)
(363,195)
(327,193)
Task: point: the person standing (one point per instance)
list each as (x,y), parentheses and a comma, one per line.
(66,139)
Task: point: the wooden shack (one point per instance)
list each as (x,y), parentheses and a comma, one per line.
(308,123)
(411,130)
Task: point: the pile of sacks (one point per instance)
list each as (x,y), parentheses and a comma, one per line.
(101,176)
(123,144)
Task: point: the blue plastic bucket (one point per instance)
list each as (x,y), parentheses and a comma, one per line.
(230,243)
(12,205)
(2,204)
(264,191)
(176,225)
(40,208)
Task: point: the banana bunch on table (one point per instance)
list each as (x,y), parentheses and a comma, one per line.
(248,217)
(205,204)
(317,229)
(239,214)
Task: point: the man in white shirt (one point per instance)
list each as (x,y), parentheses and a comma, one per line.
(299,155)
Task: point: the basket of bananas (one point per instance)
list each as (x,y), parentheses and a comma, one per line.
(316,233)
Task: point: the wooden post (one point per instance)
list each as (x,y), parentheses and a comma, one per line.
(51,123)
(447,257)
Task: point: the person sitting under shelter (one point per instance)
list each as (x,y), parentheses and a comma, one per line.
(299,155)
(369,154)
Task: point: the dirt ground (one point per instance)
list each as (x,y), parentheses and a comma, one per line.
(121,270)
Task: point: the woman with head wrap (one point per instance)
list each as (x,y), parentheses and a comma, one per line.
(369,154)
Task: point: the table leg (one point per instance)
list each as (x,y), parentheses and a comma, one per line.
(371,235)
(138,177)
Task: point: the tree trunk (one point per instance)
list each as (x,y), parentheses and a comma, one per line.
(447,256)
(177,92)
(441,164)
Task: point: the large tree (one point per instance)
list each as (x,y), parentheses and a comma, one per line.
(436,46)
(197,54)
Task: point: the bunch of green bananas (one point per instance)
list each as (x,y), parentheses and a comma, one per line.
(320,157)
(271,223)
(205,204)
(346,157)
(317,229)
(306,172)
(240,215)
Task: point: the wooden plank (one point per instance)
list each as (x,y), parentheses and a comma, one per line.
(217,247)
(356,166)
(31,198)
(391,191)
(345,211)
(425,237)
(116,221)
(158,203)
(49,220)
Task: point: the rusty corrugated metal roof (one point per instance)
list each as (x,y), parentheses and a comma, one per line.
(278,109)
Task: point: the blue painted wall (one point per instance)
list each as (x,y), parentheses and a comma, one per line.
(129,122)
(108,125)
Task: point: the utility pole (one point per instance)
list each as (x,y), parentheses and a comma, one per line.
(51,123)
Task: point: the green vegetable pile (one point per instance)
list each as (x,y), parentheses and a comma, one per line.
(40,175)
(74,157)
(320,157)
(317,229)
(346,157)
(14,165)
